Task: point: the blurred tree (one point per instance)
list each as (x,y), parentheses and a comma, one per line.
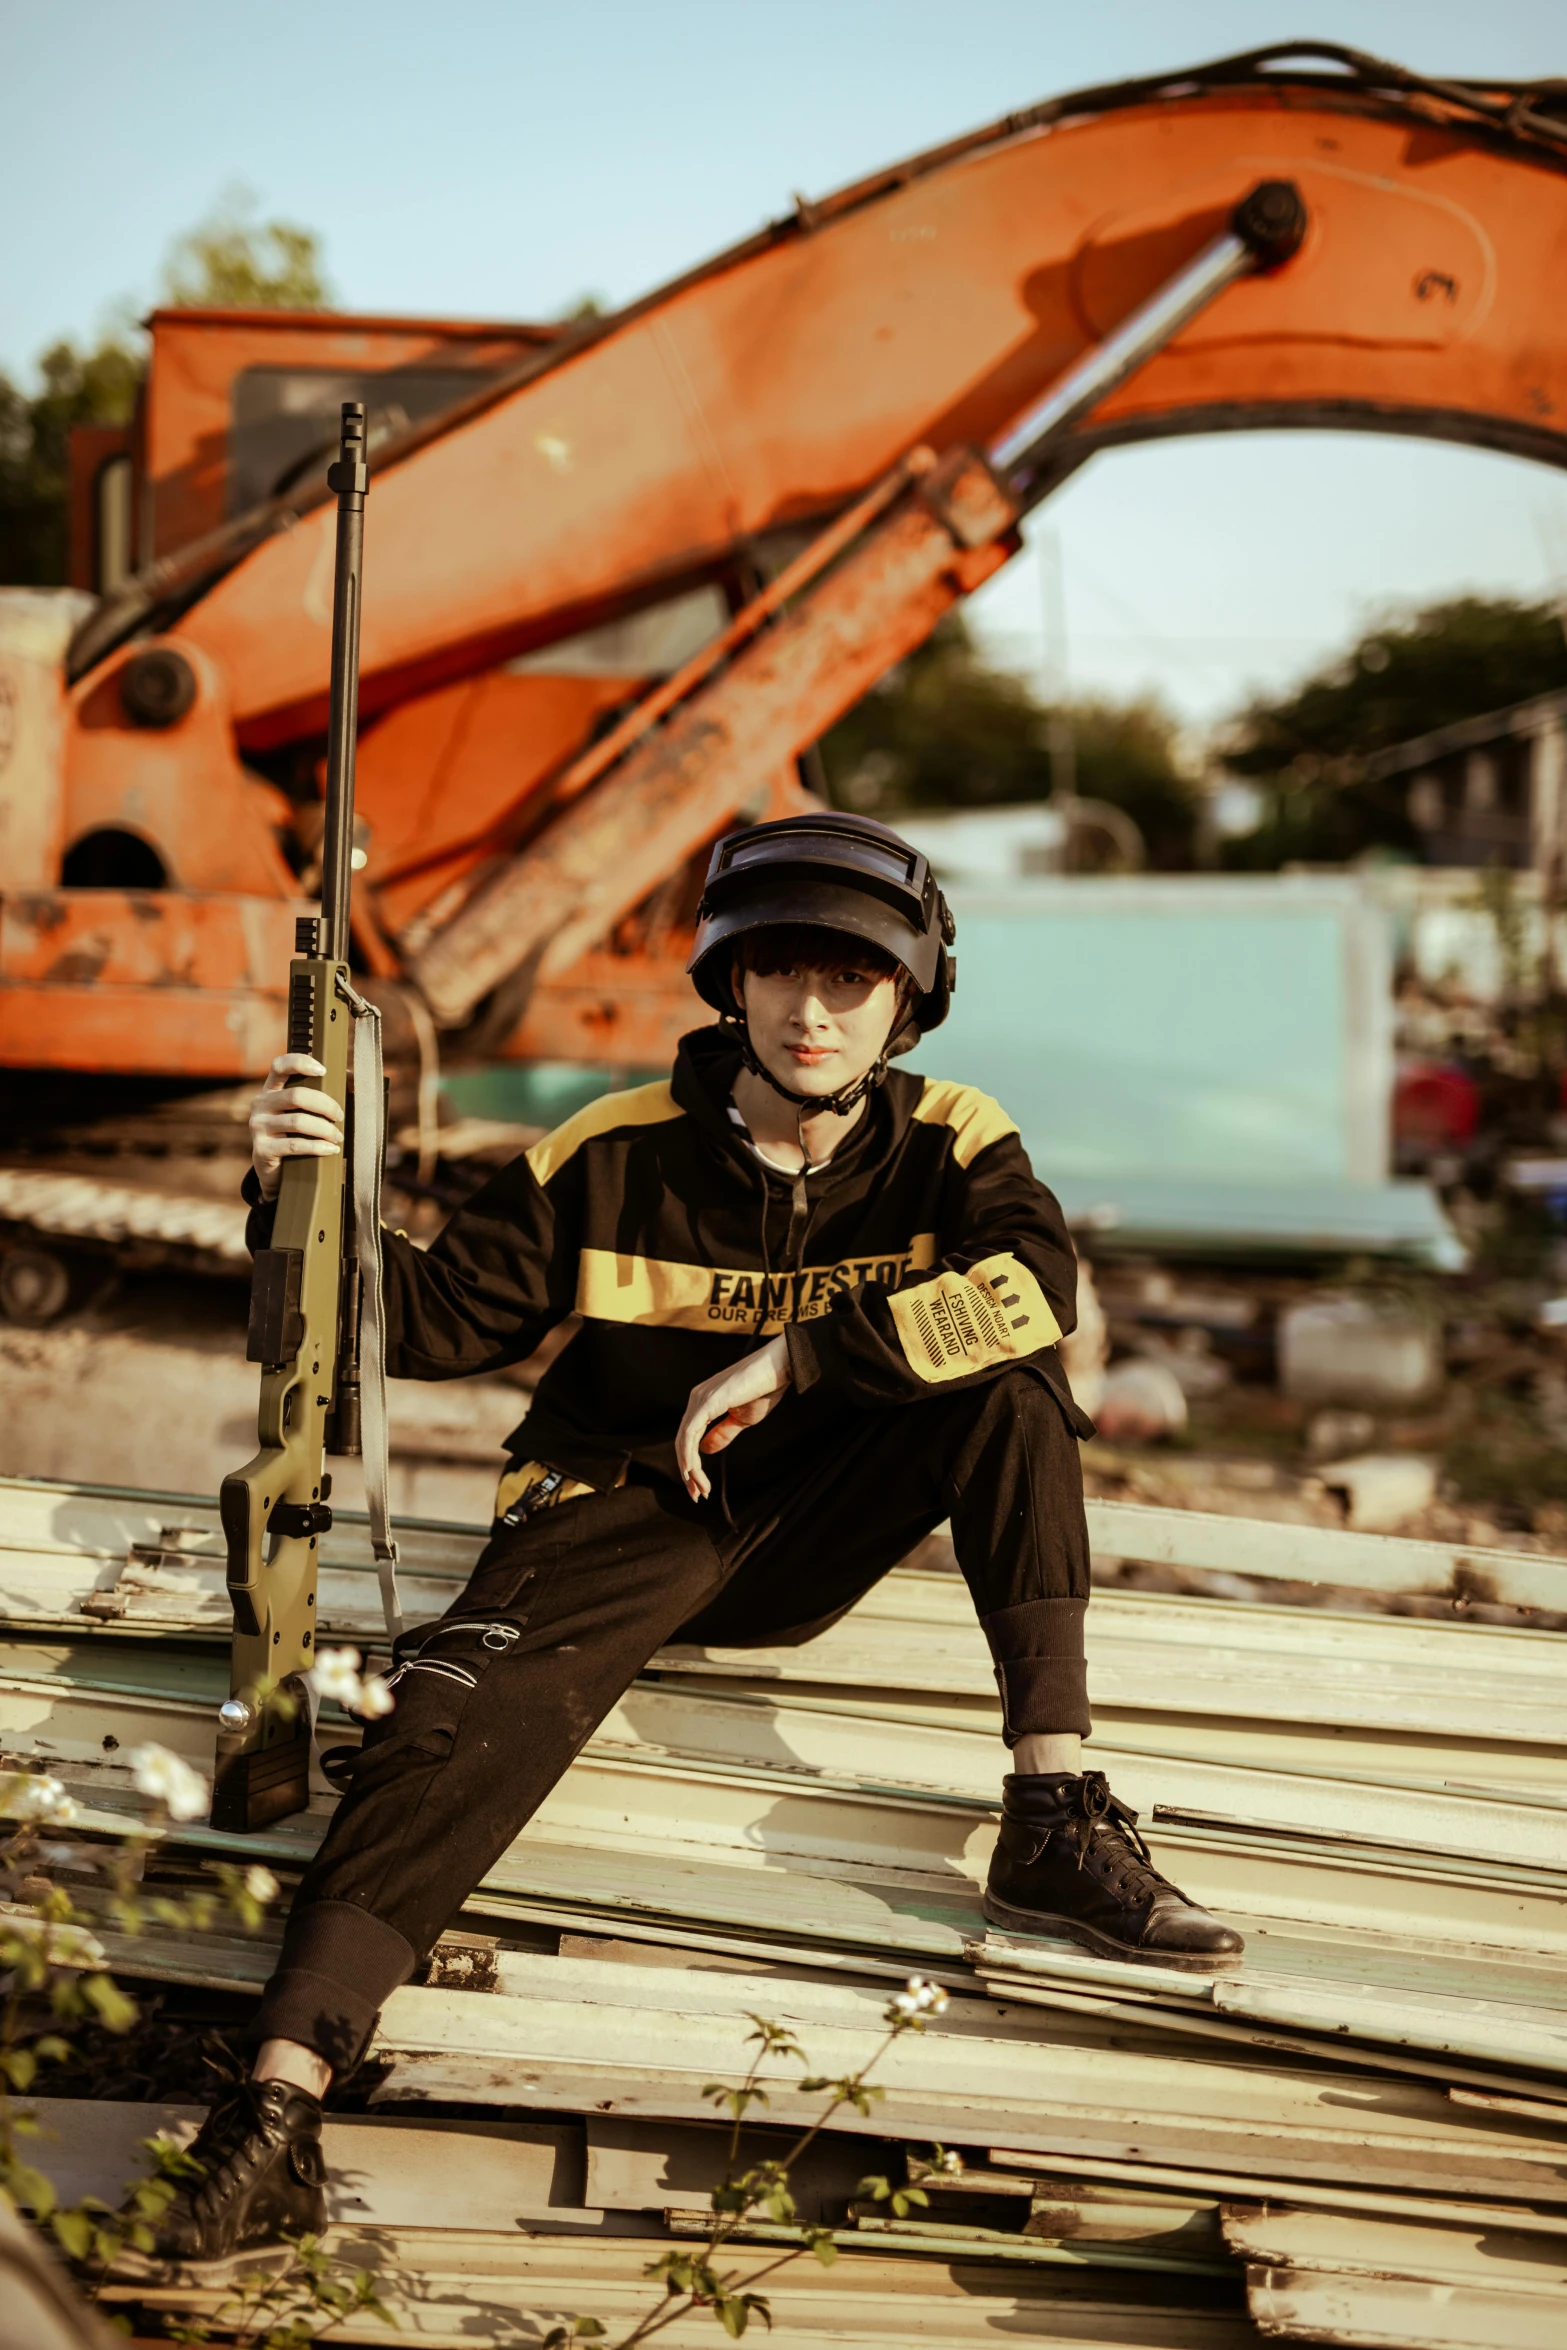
(230,261)
(78,387)
(944,730)
(227,261)
(1403,678)
(1124,752)
(940,731)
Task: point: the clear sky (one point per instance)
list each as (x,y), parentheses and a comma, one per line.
(502,157)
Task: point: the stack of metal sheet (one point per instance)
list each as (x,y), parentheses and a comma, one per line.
(1361,2135)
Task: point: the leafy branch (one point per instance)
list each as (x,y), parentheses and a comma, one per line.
(280,2309)
(693,2280)
(54,1976)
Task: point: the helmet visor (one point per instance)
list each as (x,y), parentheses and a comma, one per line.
(890,870)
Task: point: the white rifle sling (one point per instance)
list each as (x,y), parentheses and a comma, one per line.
(369,1144)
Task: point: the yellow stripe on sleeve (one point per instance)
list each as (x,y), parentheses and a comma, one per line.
(643,1105)
(974,1119)
(996,1312)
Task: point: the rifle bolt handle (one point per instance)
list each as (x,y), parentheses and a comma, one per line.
(234,1714)
(300,1519)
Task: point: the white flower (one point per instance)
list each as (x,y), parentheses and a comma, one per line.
(170,1781)
(30,1797)
(920,1998)
(335,1674)
(375,1698)
(261,1884)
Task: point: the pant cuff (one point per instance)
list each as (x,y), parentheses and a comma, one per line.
(1041,1670)
(339,1966)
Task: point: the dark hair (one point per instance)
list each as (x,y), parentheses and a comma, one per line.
(807,946)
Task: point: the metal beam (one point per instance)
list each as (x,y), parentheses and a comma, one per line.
(894,578)
(719,748)
(1265,230)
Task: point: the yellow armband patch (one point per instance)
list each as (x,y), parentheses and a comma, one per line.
(960,1322)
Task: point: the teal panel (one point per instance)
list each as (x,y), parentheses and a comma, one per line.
(1169,1035)
(533,1093)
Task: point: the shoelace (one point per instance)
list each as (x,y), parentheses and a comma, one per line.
(1097,1811)
(235,2125)
(211,2191)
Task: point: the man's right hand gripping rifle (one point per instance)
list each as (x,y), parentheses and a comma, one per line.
(291,1118)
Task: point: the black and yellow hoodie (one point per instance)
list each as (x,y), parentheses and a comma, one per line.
(926,1254)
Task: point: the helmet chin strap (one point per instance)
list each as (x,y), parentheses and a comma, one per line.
(836,1105)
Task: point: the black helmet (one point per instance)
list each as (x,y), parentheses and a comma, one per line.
(845,873)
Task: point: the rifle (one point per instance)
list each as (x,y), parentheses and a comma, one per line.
(307,1291)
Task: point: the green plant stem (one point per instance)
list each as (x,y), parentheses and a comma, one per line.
(726,2224)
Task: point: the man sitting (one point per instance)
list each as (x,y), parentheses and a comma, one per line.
(820,1301)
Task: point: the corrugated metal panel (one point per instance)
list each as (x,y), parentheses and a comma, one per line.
(1381,1802)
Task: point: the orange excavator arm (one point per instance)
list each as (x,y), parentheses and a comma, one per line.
(932,304)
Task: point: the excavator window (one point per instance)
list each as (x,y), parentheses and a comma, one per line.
(283,419)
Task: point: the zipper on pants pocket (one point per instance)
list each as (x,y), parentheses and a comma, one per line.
(496,1637)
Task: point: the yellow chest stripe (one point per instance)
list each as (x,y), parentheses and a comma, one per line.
(612,1287)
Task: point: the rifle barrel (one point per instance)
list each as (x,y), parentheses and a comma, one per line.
(350,478)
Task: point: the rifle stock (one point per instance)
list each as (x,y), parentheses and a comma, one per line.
(304,1300)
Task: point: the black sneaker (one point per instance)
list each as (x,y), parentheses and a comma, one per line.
(263,2175)
(1069,1861)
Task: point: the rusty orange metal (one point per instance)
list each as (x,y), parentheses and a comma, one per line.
(610,845)
(205,363)
(628,1010)
(180,788)
(93,446)
(533,484)
(439,776)
(157,982)
(774,385)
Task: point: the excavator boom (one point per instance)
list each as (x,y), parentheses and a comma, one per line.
(932,304)
(638,479)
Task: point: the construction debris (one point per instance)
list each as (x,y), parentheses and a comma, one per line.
(1357,2136)
(1374,1352)
(1382,1490)
(1141,1400)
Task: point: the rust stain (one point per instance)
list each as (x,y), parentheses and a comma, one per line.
(1469,1583)
(81,964)
(41,913)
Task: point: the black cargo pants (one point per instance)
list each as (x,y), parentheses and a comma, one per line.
(563,1612)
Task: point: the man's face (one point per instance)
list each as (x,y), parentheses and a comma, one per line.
(817,1031)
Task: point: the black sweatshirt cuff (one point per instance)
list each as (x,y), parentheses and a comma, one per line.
(263,1213)
(819,1356)
(805,1368)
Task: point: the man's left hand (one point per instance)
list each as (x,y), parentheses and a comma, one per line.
(718,1410)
